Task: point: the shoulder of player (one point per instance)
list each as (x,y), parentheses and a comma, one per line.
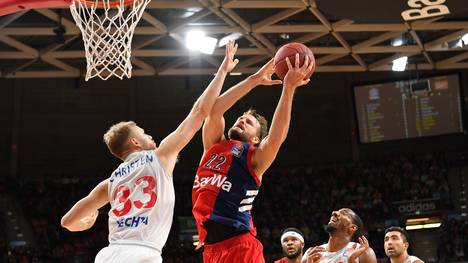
(416,259)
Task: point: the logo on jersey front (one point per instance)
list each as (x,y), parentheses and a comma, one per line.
(216,179)
(134,221)
(237,150)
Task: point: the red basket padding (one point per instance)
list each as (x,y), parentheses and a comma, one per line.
(13,6)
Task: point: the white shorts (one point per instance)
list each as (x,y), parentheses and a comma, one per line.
(128,253)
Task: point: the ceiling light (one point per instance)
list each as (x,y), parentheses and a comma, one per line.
(208,45)
(414,227)
(190,12)
(426,222)
(433,225)
(193,40)
(197,41)
(399,64)
(464,39)
(285,36)
(396,42)
(231,37)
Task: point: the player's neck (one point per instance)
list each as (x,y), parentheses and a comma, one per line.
(336,243)
(294,260)
(403,258)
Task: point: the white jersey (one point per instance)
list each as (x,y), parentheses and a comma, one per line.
(142,198)
(340,256)
(412,259)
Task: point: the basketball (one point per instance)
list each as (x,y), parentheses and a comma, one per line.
(289,51)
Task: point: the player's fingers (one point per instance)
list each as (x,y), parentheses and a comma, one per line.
(271,65)
(365,241)
(311,65)
(317,249)
(275,82)
(304,82)
(271,62)
(288,63)
(306,63)
(235,48)
(296,62)
(310,251)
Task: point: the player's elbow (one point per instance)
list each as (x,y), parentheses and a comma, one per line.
(200,110)
(66,223)
(199,113)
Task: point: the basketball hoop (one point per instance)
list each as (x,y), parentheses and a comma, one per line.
(107,27)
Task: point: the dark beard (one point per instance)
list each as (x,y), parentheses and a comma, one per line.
(292,256)
(235,135)
(329,229)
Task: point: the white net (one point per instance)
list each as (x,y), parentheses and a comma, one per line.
(107,27)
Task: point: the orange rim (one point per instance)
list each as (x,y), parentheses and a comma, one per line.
(104,3)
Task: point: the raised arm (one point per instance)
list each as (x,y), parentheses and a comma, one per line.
(213,129)
(84,213)
(269,147)
(178,139)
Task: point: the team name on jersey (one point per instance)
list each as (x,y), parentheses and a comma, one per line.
(130,167)
(216,179)
(132,221)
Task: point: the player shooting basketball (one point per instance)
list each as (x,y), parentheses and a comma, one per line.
(231,170)
(140,190)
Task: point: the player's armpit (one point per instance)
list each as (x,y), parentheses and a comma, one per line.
(264,155)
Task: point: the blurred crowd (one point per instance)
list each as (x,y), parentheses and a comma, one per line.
(299,197)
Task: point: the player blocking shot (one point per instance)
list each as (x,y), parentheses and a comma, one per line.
(231,170)
(140,191)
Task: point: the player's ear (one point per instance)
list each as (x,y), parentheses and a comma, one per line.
(133,141)
(255,140)
(406,244)
(352,229)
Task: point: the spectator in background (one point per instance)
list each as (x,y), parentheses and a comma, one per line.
(292,242)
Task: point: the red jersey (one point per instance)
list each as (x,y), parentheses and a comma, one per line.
(225,187)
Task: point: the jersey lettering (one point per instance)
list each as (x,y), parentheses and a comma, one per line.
(216,179)
(219,162)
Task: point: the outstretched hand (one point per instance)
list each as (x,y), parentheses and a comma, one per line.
(263,75)
(229,63)
(295,76)
(357,252)
(314,255)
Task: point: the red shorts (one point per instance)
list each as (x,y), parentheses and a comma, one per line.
(244,248)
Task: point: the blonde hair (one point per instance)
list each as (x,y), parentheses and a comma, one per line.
(116,137)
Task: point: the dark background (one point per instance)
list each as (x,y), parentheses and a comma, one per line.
(60,122)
